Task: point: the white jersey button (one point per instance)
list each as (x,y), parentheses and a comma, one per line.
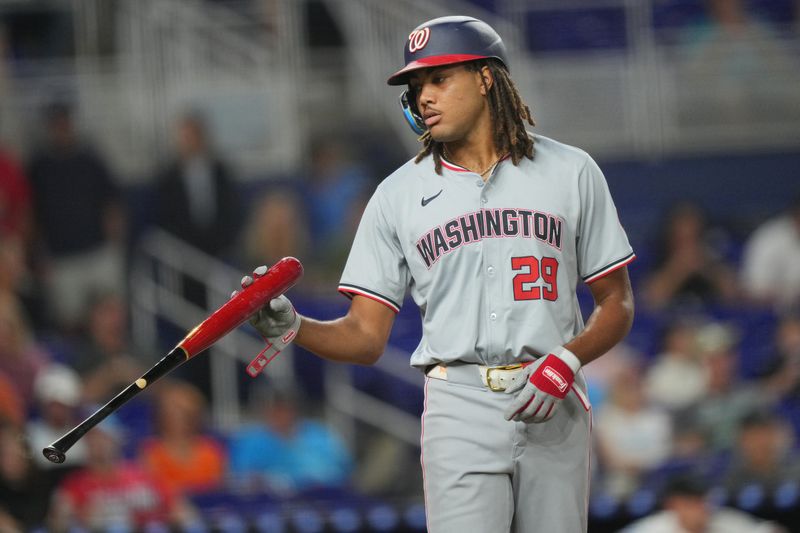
(490,271)
(493,316)
(479,183)
(484,200)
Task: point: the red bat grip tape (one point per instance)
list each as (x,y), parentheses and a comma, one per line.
(277,280)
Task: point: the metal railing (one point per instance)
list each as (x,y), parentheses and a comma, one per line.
(242,72)
(664,92)
(172,56)
(160,266)
(267,91)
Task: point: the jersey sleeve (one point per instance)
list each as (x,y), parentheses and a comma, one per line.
(602,245)
(376,267)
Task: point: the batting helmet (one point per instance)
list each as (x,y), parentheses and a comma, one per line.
(446,41)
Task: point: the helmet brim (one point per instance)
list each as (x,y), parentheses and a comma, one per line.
(401,76)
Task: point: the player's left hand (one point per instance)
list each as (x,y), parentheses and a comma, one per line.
(542,386)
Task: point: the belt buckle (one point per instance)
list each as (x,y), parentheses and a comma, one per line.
(497,388)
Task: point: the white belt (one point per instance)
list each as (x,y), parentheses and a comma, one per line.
(495,378)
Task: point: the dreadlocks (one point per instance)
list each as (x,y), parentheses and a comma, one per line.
(508,112)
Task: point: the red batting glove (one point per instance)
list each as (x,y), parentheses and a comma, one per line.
(548,382)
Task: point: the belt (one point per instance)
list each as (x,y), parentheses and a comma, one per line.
(495,378)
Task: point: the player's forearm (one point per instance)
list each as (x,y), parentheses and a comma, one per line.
(610,321)
(342,340)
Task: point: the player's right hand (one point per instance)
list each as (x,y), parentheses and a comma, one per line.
(542,387)
(277,322)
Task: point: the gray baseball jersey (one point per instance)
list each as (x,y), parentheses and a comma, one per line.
(492,266)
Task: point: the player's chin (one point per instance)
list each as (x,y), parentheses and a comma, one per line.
(442,134)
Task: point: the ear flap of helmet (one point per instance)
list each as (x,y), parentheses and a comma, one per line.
(409,104)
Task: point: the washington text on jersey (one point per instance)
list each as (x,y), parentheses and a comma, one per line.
(486,224)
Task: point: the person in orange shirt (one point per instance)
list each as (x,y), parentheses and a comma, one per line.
(181,456)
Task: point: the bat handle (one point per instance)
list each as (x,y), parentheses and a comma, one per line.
(56,452)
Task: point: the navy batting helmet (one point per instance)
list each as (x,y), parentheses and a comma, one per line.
(449,40)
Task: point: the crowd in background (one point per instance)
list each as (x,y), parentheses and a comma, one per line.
(700,401)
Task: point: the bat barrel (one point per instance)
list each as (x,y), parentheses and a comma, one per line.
(278,279)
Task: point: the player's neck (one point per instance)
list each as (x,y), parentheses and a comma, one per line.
(475,152)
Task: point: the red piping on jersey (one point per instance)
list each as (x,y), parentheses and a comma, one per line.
(456,168)
(348,291)
(580,398)
(451,166)
(422,448)
(603,274)
(588,466)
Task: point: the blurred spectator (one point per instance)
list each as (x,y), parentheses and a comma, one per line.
(688,271)
(284,452)
(12,410)
(690,454)
(771,261)
(103,356)
(632,436)
(686,509)
(79,217)
(763,454)
(336,192)
(782,373)
(197,197)
(739,66)
(602,372)
(781,379)
(16,218)
(677,378)
(20,358)
(728,399)
(181,456)
(58,396)
(387,467)
(15,199)
(277,228)
(15,276)
(12,263)
(110,492)
(24,492)
(198,203)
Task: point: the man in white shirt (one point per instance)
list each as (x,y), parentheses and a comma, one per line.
(686,509)
(771,261)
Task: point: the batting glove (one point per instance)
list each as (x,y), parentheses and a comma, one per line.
(542,386)
(277,322)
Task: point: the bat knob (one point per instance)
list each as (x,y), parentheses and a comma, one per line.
(53,455)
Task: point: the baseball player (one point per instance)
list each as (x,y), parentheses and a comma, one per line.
(490,229)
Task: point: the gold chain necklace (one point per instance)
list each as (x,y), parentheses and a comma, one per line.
(485,171)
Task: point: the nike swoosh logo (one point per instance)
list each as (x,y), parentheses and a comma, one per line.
(426,201)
